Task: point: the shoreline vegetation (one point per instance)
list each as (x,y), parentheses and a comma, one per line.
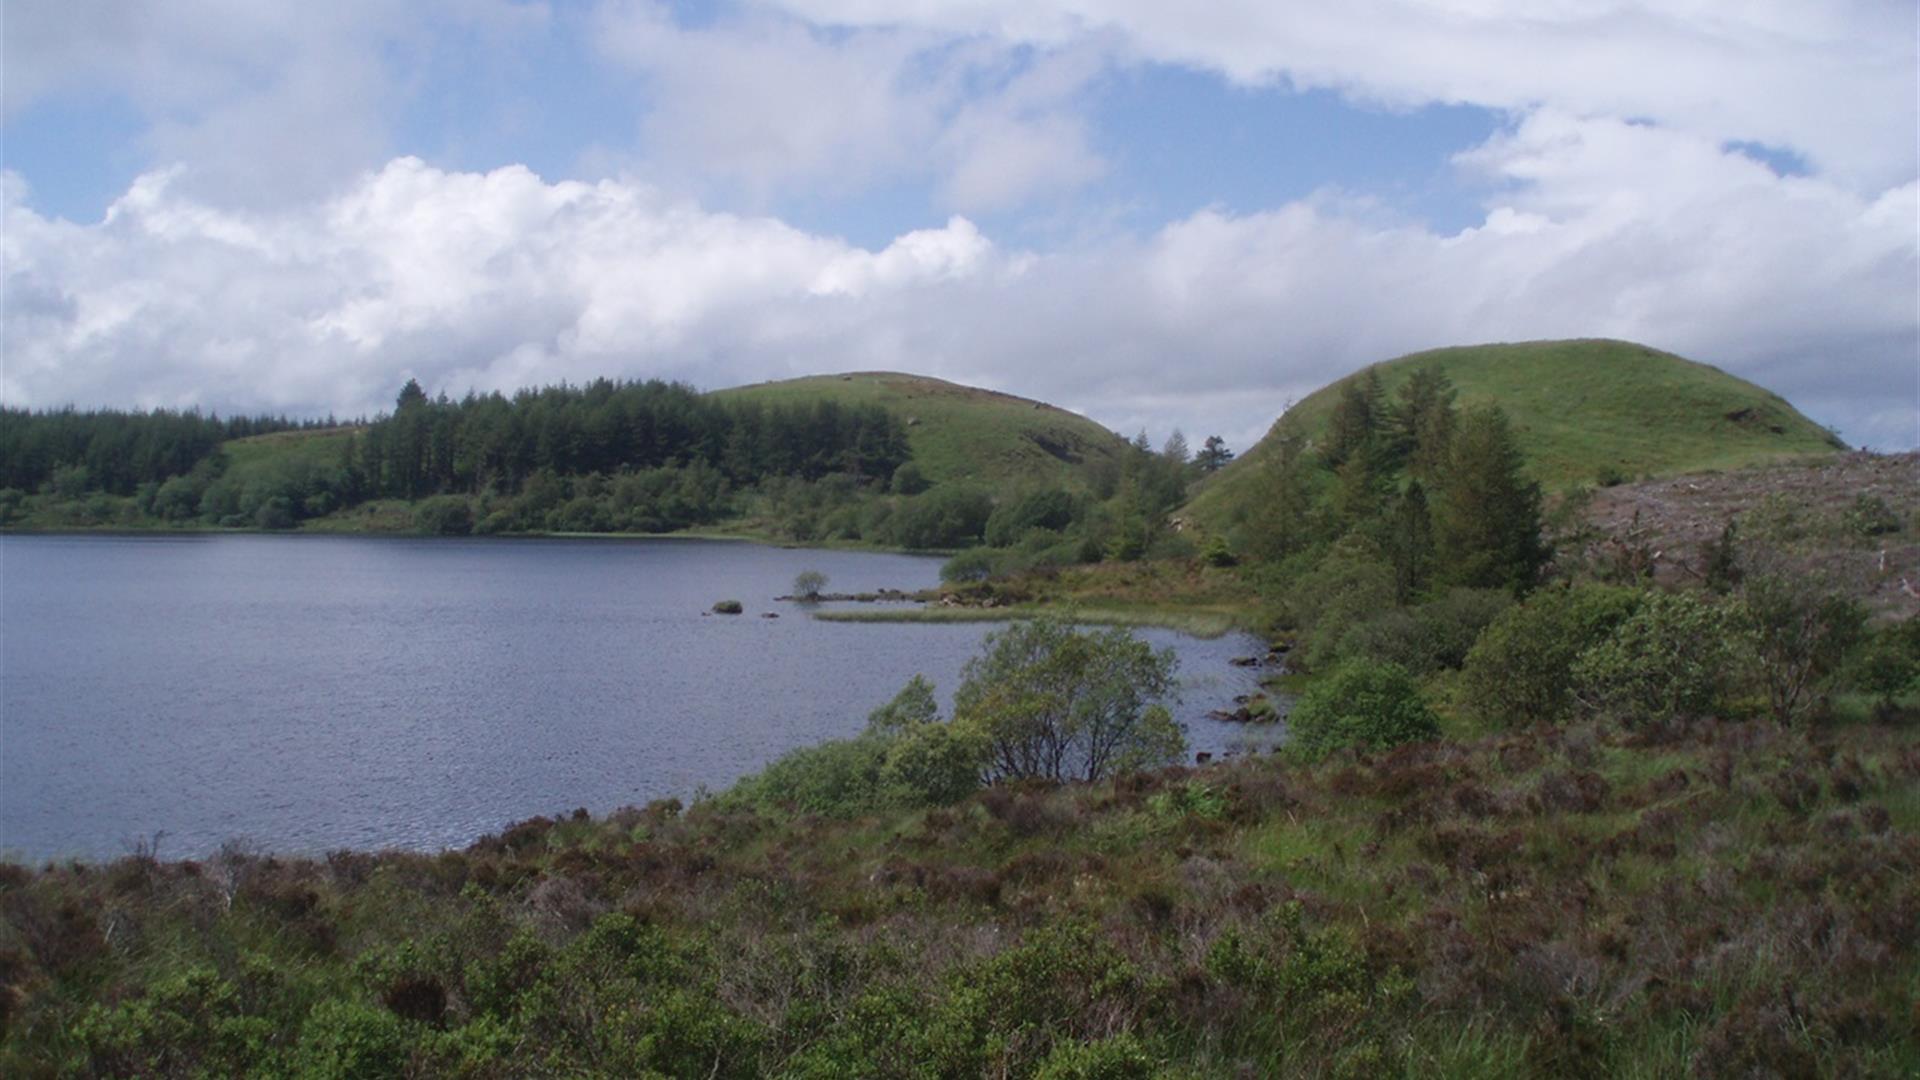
(1622,782)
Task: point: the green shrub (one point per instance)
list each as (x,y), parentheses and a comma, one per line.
(1431,637)
(1051,509)
(948,516)
(1351,582)
(444,515)
(932,764)
(973,564)
(1120,1057)
(911,708)
(1670,659)
(1800,631)
(344,1038)
(1887,665)
(1050,701)
(1869,515)
(1218,553)
(840,778)
(908,479)
(727,607)
(1360,704)
(1519,670)
(808,584)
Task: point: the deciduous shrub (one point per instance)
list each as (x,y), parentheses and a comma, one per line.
(1671,659)
(1050,701)
(973,564)
(1518,671)
(808,584)
(1800,632)
(444,515)
(1888,665)
(1361,704)
(932,764)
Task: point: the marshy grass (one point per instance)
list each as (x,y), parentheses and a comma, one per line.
(1200,624)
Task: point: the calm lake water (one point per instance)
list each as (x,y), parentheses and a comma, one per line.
(307,693)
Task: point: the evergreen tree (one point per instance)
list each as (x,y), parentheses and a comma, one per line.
(1174,450)
(1213,454)
(1355,426)
(1486,516)
(1286,520)
(1410,543)
(1422,422)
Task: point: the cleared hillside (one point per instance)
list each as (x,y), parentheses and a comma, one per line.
(962,432)
(1583,410)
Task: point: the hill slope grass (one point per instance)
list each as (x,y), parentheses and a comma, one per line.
(962,432)
(1583,410)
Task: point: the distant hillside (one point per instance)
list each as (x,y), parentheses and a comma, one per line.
(1582,409)
(961,432)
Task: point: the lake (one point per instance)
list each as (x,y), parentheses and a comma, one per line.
(306,693)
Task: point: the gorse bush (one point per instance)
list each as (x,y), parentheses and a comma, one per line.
(1360,705)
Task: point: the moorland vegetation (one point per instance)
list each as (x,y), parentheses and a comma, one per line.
(1544,810)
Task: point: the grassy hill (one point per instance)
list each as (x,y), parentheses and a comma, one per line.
(961,432)
(1582,409)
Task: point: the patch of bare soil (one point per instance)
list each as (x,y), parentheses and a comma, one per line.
(1853,519)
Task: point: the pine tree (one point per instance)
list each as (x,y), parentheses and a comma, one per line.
(1410,543)
(1213,454)
(1357,417)
(1422,422)
(1286,520)
(1486,516)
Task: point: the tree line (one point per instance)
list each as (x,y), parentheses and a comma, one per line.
(495,443)
(116,451)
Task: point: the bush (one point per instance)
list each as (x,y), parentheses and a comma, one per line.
(1118,1058)
(1433,636)
(1360,704)
(932,764)
(1049,701)
(444,515)
(1888,665)
(1670,659)
(946,517)
(1800,632)
(1354,580)
(1869,515)
(347,1038)
(1519,670)
(1218,553)
(1051,509)
(973,564)
(841,778)
(808,584)
(728,607)
(909,480)
(911,708)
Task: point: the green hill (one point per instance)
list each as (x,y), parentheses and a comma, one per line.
(964,433)
(1583,410)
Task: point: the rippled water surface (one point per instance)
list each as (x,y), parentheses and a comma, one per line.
(307,693)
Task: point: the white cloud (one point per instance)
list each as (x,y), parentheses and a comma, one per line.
(770,105)
(1211,323)
(261,103)
(1831,79)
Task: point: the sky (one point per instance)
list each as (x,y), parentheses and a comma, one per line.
(1159,215)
